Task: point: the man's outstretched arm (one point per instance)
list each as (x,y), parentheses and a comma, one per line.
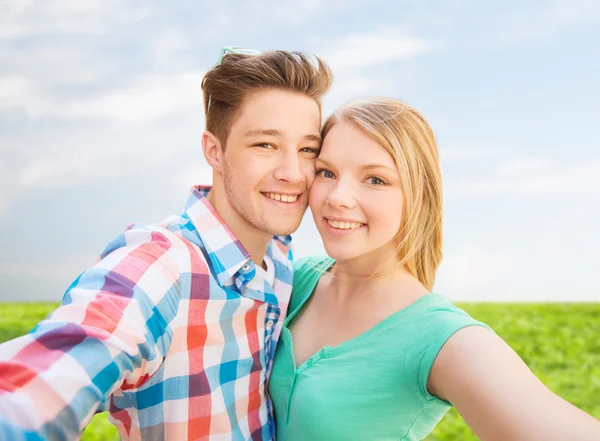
(112,331)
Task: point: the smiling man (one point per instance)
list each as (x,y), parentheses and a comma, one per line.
(174,330)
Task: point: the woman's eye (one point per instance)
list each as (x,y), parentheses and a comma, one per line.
(375,181)
(325,174)
(309,150)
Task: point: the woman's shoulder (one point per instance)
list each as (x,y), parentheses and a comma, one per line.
(437,320)
(437,313)
(307,272)
(311,263)
(434,320)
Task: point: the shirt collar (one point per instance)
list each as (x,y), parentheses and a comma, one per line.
(226,253)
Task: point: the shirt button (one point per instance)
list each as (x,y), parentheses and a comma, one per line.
(309,362)
(246,267)
(270,323)
(322,352)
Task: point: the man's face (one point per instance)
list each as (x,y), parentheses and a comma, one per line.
(268,163)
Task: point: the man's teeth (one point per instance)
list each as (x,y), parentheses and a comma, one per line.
(344,225)
(282,197)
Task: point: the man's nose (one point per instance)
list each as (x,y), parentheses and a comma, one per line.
(289,169)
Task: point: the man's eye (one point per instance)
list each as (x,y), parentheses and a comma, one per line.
(265,145)
(324,173)
(310,150)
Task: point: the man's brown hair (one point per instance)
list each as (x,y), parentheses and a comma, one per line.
(226,86)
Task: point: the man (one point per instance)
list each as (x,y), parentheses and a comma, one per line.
(174,330)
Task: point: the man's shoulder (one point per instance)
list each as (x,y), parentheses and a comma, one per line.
(173,233)
(173,224)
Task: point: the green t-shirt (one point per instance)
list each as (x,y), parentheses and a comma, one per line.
(372,387)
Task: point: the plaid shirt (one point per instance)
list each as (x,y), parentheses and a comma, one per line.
(171,332)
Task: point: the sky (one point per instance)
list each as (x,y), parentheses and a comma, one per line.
(101,120)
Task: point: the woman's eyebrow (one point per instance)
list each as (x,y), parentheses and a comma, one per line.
(320,159)
(362,167)
(372,166)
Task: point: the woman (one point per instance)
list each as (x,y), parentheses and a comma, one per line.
(367,351)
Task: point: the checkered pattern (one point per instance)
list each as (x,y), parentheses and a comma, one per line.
(173,332)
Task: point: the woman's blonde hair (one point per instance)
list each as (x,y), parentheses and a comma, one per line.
(409,139)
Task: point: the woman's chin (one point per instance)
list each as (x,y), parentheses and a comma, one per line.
(340,253)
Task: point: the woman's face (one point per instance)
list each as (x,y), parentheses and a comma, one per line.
(356,199)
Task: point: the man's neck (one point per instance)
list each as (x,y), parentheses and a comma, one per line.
(253,240)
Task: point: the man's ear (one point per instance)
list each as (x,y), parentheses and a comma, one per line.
(213,153)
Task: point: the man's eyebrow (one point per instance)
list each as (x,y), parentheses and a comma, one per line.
(263,132)
(316,138)
(275,132)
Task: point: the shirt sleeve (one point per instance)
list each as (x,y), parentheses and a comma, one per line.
(111,331)
(436,325)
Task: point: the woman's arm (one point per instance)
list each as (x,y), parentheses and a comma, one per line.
(499,397)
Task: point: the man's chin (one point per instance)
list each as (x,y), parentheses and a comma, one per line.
(283,230)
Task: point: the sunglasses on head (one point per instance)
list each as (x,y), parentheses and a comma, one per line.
(237,50)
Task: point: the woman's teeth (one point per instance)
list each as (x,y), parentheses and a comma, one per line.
(344,225)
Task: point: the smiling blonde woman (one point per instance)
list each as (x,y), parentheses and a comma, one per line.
(367,351)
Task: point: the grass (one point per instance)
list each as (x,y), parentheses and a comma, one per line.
(559,342)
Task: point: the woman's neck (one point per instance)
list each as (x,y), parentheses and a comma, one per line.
(373,274)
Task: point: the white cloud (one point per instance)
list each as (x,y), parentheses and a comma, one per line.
(574,12)
(38,172)
(523,165)
(40,77)
(288,15)
(148,98)
(477,273)
(27,18)
(376,47)
(69,157)
(537,22)
(581,178)
(168,44)
(349,85)
(493,171)
(194,174)
(351,56)
(460,153)
(18,93)
(470,270)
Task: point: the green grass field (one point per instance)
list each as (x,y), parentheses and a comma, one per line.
(559,342)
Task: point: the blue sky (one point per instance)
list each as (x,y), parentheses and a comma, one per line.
(101,118)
